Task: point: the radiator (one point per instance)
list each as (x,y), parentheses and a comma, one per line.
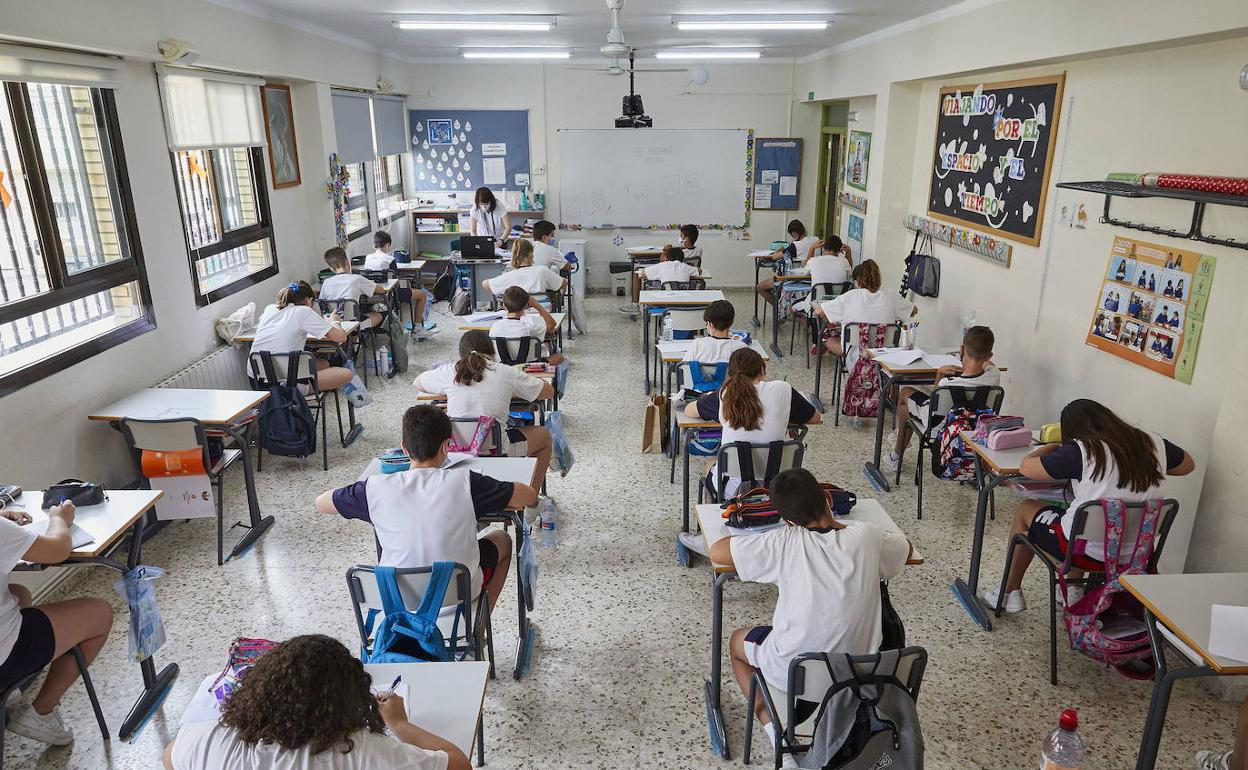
(225,368)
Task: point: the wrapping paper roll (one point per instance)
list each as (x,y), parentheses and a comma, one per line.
(1226,185)
(1122,176)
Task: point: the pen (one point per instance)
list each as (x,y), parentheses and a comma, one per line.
(395,683)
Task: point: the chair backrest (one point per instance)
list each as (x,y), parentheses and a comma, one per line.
(463,429)
(849,332)
(829,290)
(973,397)
(682,320)
(366,597)
(178,434)
(348,308)
(689,285)
(517,350)
(268,369)
(704,378)
(813,679)
(756,464)
(1089,526)
(380,276)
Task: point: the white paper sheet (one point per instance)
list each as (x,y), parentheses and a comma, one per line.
(485,315)
(762,196)
(899,357)
(455,458)
(494,148)
(522,180)
(495,170)
(1228,632)
(769,176)
(77,535)
(938,360)
(788,185)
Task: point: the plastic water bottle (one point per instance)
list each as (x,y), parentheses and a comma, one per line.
(968,321)
(667,328)
(549,524)
(386,360)
(1063,749)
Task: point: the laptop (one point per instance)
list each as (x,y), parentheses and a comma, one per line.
(477,247)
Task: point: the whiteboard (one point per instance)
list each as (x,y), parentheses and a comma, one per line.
(642,177)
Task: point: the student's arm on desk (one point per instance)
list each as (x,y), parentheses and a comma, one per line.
(54,545)
(336,333)
(394,714)
(1033,468)
(721,551)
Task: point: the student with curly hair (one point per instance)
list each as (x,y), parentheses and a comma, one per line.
(308,703)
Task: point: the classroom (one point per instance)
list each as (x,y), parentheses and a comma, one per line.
(401,385)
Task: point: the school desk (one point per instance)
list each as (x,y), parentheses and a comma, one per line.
(479,270)
(522,470)
(675,298)
(517,404)
(1178,609)
(799,280)
(249,336)
(685,428)
(672,353)
(993,467)
(123,511)
(218,409)
(715,529)
(762,257)
(556,336)
(447,699)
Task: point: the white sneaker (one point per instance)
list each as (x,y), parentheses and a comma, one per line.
(1014,601)
(788,760)
(25,721)
(14,698)
(630,308)
(1213,760)
(693,541)
(892,462)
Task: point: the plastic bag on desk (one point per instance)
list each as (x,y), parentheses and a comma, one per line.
(229,326)
(528,567)
(147,628)
(354,390)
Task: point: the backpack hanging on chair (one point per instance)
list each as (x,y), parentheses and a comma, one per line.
(862,387)
(1107,624)
(953,460)
(404,636)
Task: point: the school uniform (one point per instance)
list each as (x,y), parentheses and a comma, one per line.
(866,307)
(285,330)
(670,271)
(919,401)
(424,515)
(491,396)
(782,406)
(693,255)
(527,325)
(841,567)
(712,350)
(214,746)
(802,247)
(346,286)
(489,222)
(533,279)
(1051,527)
(26,638)
(378,260)
(546,255)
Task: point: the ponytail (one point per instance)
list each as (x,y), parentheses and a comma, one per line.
(296,293)
(743,410)
(476,354)
(521,253)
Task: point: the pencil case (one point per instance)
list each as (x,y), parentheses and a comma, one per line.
(1009,438)
(394,460)
(1051,433)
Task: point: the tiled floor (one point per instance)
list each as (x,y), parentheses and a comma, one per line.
(623,631)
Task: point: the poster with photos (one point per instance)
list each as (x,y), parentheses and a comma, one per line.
(1150,308)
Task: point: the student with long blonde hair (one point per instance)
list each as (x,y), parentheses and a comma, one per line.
(534,279)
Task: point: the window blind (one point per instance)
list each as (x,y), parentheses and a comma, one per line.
(353,125)
(29,64)
(390,124)
(209,109)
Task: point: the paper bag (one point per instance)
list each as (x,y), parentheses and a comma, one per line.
(654,427)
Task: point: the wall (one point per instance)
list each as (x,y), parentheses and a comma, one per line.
(754,96)
(1149,94)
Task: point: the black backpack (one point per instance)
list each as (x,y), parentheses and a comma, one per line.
(287,427)
(443,287)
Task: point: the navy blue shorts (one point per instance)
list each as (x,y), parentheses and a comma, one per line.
(36,642)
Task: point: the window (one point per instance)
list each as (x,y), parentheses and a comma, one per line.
(388,187)
(72,282)
(357,220)
(225,215)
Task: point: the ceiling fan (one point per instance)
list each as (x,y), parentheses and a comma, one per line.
(616,49)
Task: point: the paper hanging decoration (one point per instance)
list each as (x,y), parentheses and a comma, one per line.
(454,140)
(421,177)
(420,127)
(460,177)
(420,158)
(461,154)
(467,126)
(444,155)
(424,145)
(442,184)
(455,163)
(470,147)
(338,188)
(456,124)
(440,166)
(463,137)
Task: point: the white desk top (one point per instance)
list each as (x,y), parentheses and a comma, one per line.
(999,461)
(644,251)
(389,284)
(1183,604)
(761,253)
(409,267)
(921,366)
(685,421)
(693,297)
(715,527)
(518,470)
(214,407)
(105,522)
(249,336)
(466,325)
(674,350)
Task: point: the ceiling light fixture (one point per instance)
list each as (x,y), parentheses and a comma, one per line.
(706,55)
(505,54)
(478,23)
(741,22)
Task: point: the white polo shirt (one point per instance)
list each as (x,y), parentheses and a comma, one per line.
(15,541)
(378,260)
(287,329)
(346,286)
(491,396)
(670,271)
(546,255)
(533,279)
(527,325)
(712,350)
(213,746)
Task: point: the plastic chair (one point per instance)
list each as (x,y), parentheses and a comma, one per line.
(25,682)
(849,331)
(182,434)
(269,369)
(518,350)
(464,428)
(742,459)
(813,681)
(1084,529)
(943,399)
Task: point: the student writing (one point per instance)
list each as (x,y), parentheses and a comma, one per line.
(519,324)
(284,327)
(867,303)
(344,285)
(382,259)
(671,268)
(525,274)
(717,344)
(802,247)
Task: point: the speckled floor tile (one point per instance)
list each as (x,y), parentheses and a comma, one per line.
(623,646)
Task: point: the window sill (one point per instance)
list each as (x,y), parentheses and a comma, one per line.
(75,355)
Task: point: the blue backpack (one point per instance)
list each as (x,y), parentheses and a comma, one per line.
(287,427)
(404,636)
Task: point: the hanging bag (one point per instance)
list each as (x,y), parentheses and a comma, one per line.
(922,268)
(404,636)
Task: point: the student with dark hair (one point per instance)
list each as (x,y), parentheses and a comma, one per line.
(671,268)
(309,703)
(867,303)
(421,298)
(976,369)
(717,344)
(344,284)
(689,243)
(284,327)
(519,323)
(477,385)
(381,258)
(801,248)
(489,217)
(1103,457)
(816,557)
(429,513)
(545,254)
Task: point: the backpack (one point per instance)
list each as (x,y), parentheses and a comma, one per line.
(862,387)
(485,425)
(243,655)
(753,508)
(404,636)
(287,427)
(443,287)
(461,304)
(953,460)
(1107,624)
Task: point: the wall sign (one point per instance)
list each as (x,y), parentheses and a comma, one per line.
(777,173)
(993,153)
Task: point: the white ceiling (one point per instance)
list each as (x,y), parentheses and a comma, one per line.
(582,24)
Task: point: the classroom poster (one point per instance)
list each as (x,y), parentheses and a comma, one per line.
(858,158)
(1150,308)
(853,235)
(993,153)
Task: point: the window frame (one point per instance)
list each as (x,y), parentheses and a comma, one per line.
(230,239)
(391,189)
(363,198)
(66,287)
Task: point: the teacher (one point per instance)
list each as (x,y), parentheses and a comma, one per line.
(489,217)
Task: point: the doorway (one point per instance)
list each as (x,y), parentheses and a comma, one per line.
(833,131)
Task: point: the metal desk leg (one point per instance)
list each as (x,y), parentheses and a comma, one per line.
(714,709)
(259,525)
(1163,683)
(686,437)
(776,291)
(966,590)
(645,344)
(819,349)
(757,269)
(872,469)
(525,630)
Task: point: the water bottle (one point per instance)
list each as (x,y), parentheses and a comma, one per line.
(667,328)
(968,321)
(385,361)
(1063,749)
(549,524)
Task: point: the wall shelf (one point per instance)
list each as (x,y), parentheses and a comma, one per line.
(1198,199)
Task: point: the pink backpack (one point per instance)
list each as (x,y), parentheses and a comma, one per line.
(485,424)
(1108,622)
(862,387)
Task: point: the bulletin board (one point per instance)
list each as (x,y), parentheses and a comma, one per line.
(1150,309)
(461,150)
(993,154)
(777,173)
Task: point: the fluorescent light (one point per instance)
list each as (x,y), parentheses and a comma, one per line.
(479,23)
(504,54)
(703,55)
(740,22)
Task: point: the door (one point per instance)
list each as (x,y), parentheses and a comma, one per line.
(832,185)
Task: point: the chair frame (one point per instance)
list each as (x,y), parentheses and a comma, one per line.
(367,335)
(524,354)
(262,368)
(839,370)
(717,383)
(832,289)
(1079,532)
(745,449)
(26,681)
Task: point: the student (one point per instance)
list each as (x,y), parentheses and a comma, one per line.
(717,345)
(833,265)
(518,323)
(803,248)
(284,328)
(1234,758)
(1102,457)
(344,285)
(309,703)
(671,268)
(1169,290)
(478,385)
(814,555)
(868,303)
(1178,289)
(1121,275)
(689,242)
(1152,282)
(429,513)
(977,369)
(1163,317)
(33,636)
(382,259)
(489,217)
(525,274)
(544,252)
